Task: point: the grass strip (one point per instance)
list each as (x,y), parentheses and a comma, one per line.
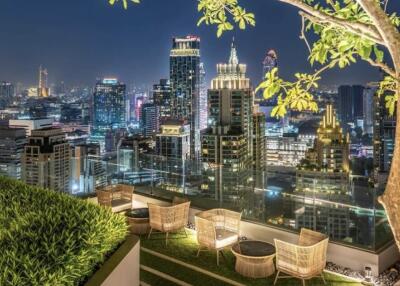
(185,249)
(154,280)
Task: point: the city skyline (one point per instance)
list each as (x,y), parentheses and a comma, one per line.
(115,42)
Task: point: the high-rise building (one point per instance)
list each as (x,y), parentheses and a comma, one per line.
(43,90)
(12,141)
(173,140)
(88,172)
(327,163)
(368,109)
(130,151)
(350,103)
(384,135)
(324,177)
(6,94)
(203,98)
(162,98)
(150,119)
(259,142)
(46,160)
(227,142)
(108,106)
(185,84)
(270,61)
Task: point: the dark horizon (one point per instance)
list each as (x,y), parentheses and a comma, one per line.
(79,41)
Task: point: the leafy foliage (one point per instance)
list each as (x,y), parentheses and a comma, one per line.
(224,13)
(124,2)
(49,238)
(291,95)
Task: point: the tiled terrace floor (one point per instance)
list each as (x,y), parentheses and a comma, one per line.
(177,264)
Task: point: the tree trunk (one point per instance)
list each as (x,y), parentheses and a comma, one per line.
(391,198)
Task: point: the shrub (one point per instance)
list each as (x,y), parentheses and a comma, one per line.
(50,238)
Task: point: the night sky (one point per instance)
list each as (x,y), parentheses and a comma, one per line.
(81,40)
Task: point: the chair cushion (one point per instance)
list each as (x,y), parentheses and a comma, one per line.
(120,205)
(225,238)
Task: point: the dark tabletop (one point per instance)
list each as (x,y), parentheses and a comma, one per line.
(138,213)
(254,248)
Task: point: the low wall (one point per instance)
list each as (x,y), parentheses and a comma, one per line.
(121,268)
(347,256)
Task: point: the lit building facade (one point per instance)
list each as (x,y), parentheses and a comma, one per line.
(227,142)
(12,141)
(203,98)
(109,105)
(6,94)
(185,84)
(88,172)
(162,98)
(173,140)
(46,160)
(150,119)
(43,90)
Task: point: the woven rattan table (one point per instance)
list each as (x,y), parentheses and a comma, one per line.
(138,220)
(254,258)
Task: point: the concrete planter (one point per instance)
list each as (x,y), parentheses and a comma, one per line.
(121,268)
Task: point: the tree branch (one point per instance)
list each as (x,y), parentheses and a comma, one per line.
(365,30)
(382,66)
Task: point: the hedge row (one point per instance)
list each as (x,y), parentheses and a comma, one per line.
(50,238)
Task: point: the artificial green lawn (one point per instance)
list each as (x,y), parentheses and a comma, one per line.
(185,249)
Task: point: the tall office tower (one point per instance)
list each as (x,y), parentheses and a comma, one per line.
(173,140)
(227,142)
(384,135)
(368,109)
(43,90)
(259,142)
(46,160)
(88,172)
(130,151)
(108,106)
(150,119)
(350,103)
(162,98)
(203,98)
(12,141)
(185,84)
(6,94)
(328,161)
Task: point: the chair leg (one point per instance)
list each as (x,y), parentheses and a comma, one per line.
(276,277)
(198,251)
(218,257)
(151,229)
(166,238)
(304,282)
(323,278)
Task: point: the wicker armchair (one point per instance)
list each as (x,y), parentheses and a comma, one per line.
(117,197)
(168,219)
(217,229)
(304,260)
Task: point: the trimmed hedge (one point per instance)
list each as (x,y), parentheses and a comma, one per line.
(50,238)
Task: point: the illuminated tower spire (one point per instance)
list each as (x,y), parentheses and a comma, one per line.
(233,59)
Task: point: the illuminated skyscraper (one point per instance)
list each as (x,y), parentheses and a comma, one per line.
(185,84)
(43,89)
(150,119)
(12,141)
(203,98)
(162,98)
(6,94)
(326,165)
(109,105)
(227,142)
